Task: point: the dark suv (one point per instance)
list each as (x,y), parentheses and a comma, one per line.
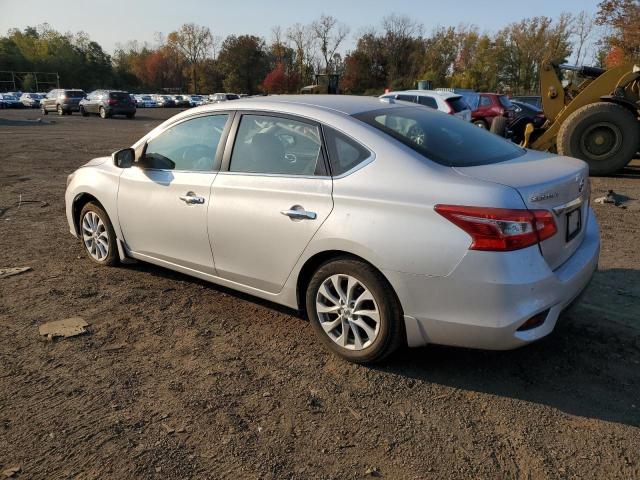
(107,103)
(62,100)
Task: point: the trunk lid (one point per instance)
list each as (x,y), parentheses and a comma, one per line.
(546,182)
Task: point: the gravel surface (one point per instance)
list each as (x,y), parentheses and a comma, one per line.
(178,378)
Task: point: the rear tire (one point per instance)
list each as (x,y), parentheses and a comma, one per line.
(83,112)
(103,113)
(131,115)
(603,134)
(499,126)
(60,110)
(44,111)
(480,124)
(367,341)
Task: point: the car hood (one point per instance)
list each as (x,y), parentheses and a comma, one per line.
(94,162)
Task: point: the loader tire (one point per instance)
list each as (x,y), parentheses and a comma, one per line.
(499,126)
(605,135)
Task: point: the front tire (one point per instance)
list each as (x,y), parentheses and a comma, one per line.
(354,311)
(131,115)
(603,134)
(60,110)
(83,112)
(97,235)
(44,111)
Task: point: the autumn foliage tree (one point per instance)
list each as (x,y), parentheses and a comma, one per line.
(279,80)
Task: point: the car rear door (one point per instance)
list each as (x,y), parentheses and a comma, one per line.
(163,212)
(269,199)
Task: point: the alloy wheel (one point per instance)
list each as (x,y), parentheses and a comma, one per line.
(348,312)
(95,236)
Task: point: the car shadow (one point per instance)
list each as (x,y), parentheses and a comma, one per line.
(589,366)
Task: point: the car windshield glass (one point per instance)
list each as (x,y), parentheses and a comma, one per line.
(10,97)
(146,98)
(458,104)
(505,102)
(74,93)
(442,138)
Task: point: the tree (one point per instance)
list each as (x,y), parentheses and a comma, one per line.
(329,34)
(622,17)
(280,81)
(195,43)
(244,62)
(301,39)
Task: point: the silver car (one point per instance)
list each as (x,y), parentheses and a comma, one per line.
(388,223)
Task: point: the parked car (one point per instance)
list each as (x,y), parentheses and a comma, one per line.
(196,100)
(534,100)
(108,103)
(524,113)
(10,101)
(61,100)
(145,101)
(31,100)
(165,101)
(446,102)
(386,222)
(222,97)
(181,101)
(487,106)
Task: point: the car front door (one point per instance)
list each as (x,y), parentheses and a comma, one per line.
(163,199)
(269,199)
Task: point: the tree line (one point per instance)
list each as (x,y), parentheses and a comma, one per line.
(395,54)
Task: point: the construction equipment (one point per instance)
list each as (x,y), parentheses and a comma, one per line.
(326,83)
(594,116)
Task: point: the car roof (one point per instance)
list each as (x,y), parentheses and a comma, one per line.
(347,104)
(428,93)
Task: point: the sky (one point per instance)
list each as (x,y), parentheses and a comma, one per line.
(117,21)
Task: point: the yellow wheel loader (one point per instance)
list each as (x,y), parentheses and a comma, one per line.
(594,116)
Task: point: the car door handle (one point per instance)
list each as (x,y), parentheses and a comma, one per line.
(298,213)
(191,199)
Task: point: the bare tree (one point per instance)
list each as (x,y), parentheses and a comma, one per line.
(195,43)
(330,34)
(583,26)
(300,37)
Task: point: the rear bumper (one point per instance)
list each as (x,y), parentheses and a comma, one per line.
(489,295)
(121,110)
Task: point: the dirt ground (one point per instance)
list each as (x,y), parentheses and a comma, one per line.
(178,378)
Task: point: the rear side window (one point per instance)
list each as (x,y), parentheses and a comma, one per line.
(458,104)
(277,145)
(344,153)
(442,138)
(485,101)
(505,102)
(190,145)
(74,93)
(427,102)
(407,98)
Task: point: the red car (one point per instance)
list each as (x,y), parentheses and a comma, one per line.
(486,106)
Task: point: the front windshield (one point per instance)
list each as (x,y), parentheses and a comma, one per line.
(442,138)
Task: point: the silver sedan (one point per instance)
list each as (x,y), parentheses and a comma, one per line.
(389,224)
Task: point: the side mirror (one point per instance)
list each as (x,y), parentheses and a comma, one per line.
(124,158)
(155,162)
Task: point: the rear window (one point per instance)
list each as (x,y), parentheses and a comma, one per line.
(442,138)
(232,96)
(458,104)
(505,102)
(120,96)
(74,93)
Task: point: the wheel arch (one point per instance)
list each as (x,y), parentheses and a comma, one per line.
(79,202)
(623,102)
(314,262)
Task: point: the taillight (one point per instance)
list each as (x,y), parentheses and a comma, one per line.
(451,112)
(112,101)
(500,229)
